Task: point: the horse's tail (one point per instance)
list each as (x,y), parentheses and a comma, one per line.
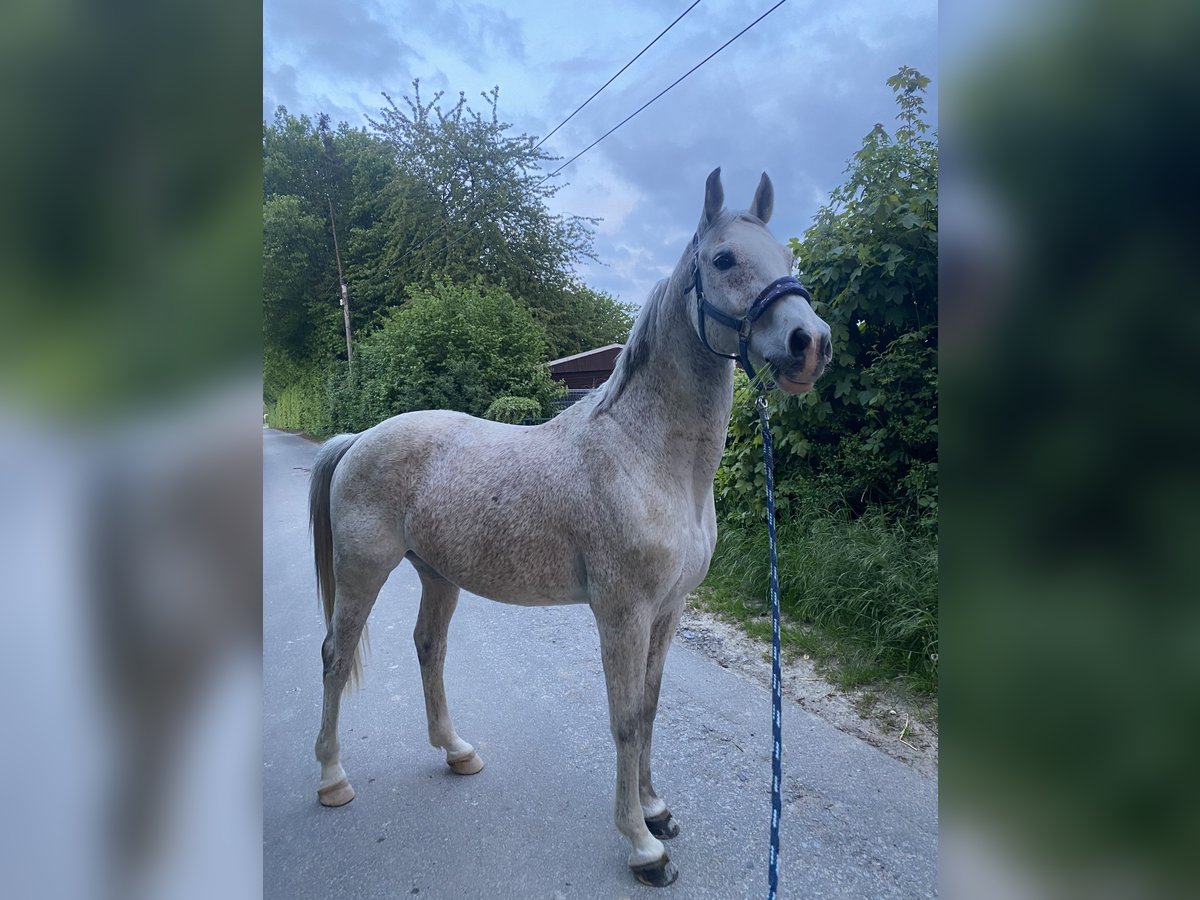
(328,457)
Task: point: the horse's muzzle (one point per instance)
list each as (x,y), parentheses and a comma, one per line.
(805,360)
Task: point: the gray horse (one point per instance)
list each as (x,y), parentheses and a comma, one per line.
(609,504)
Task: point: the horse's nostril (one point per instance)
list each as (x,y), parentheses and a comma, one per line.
(826,347)
(798,342)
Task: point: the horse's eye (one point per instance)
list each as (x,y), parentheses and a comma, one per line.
(724,261)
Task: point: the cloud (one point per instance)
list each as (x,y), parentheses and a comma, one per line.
(331,58)
(352,51)
(475,29)
(798,114)
(281,87)
(350,41)
(794,97)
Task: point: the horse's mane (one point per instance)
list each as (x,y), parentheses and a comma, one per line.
(638,348)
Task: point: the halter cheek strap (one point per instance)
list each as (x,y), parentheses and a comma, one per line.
(778,288)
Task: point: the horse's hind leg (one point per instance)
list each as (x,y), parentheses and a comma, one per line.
(357,587)
(658,816)
(438,600)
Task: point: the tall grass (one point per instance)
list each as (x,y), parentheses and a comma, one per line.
(861,593)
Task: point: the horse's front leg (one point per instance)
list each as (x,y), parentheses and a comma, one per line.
(624,644)
(654,809)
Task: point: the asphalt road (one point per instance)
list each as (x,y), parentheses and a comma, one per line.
(525,686)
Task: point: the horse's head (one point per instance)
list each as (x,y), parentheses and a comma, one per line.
(748,306)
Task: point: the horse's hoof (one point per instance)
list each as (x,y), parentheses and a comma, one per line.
(468,765)
(663,826)
(337,794)
(659,873)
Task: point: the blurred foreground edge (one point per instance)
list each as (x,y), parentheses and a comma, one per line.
(1071,497)
(130,449)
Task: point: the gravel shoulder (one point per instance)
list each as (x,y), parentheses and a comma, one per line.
(889,723)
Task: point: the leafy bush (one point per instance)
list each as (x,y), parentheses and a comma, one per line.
(867,436)
(303,406)
(513,410)
(404,198)
(449,347)
(855,458)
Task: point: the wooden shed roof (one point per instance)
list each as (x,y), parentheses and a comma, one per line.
(589,360)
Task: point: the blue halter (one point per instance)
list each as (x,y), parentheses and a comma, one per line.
(780,287)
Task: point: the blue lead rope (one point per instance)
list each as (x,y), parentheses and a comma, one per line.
(776,687)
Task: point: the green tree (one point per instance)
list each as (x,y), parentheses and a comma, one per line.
(362,176)
(298,310)
(471,202)
(867,435)
(427,196)
(313,174)
(448,347)
(584,319)
(292,160)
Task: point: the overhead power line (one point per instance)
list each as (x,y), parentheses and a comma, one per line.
(429,237)
(667,88)
(615,77)
(641,108)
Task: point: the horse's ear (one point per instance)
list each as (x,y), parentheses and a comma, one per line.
(714,199)
(764,199)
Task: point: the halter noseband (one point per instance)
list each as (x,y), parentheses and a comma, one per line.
(778,288)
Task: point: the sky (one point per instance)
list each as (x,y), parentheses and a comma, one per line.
(793,97)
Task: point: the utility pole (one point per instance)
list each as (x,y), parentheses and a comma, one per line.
(345,295)
(329,158)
